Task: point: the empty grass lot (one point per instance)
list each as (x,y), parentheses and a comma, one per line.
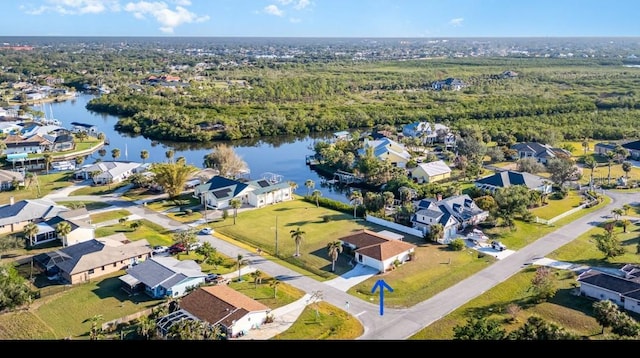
(109,215)
(322,321)
(556,207)
(153,233)
(572,312)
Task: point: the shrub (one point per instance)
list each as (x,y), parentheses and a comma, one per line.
(457,244)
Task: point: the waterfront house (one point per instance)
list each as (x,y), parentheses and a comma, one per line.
(88,260)
(219,305)
(430,172)
(633,148)
(107,172)
(16,144)
(454,213)
(387,150)
(218,191)
(163,276)
(508,178)
(429,133)
(378,250)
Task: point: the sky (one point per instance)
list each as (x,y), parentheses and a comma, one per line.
(321,18)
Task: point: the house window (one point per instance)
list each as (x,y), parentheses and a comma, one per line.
(102,268)
(91,272)
(114,264)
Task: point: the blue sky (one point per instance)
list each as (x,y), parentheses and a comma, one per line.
(321,18)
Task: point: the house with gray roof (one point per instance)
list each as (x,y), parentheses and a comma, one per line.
(91,259)
(454,214)
(107,172)
(622,288)
(8,178)
(539,151)
(163,276)
(218,191)
(452,84)
(509,178)
(16,215)
(387,150)
(430,133)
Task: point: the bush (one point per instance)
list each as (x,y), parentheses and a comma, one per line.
(457,244)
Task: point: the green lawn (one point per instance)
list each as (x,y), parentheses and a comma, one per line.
(89,205)
(98,189)
(109,215)
(556,207)
(152,232)
(322,321)
(40,186)
(264,293)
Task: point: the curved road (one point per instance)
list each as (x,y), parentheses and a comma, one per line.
(397,324)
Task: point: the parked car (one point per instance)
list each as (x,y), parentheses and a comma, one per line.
(160,249)
(174,249)
(207,231)
(497,245)
(194,246)
(212,277)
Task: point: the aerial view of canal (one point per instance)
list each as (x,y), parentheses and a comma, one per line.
(283,157)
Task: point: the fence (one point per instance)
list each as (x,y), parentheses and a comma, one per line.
(113,324)
(591,201)
(392,225)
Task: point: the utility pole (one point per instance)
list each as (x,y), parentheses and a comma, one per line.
(276,235)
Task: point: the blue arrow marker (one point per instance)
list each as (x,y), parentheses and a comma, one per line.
(382,285)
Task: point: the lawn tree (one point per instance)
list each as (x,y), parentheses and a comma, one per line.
(585,145)
(172,176)
(257,277)
(606,313)
(15,288)
(543,284)
(562,170)
(235,204)
(617,213)
(309,184)
(274,284)
(187,330)
(240,261)
(334,248)
(185,238)
(479,328)
(625,223)
(48,158)
(513,309)
(626,326)
(297,235)
(224,159)
(144,155)
(63,229)
(608,242)
(146,327)
(626,208)
(293,185)
(79,161)
(31,231)
(316,297)
(627,167)
(115,153)
(611,156)
(316,197)
(356,200)
(135,224)
(621,153)
(169,155)
(95,332)
(536,328)
(511,201)
(208,252)
(436,232)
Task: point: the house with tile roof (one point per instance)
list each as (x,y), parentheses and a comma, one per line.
(218,305)
(17,144)
(539,151)
(430,172)
(622,289)
(508,178)
(94,258)
(163,276)
(454,214)
(377,249)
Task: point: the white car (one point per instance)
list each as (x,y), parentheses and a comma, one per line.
(207,231)
(160,249)
(195,246)
(497,245)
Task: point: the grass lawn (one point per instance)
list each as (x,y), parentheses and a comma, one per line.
(138,194)
(98,189)
(556,207)
(89,205)
(174,204)
(109,215)
(264,293)
(185,217)
(153,233)
(322,321)
(41,186)
(257,228)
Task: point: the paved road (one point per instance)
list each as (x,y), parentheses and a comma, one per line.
(399,324)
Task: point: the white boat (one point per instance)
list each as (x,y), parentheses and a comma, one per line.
(63,165)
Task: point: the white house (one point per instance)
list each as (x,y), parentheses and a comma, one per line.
(218,192)
(430,172)
(387,149)
(107,172)
(377,250)
(623,289)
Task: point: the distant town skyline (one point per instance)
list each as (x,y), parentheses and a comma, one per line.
(321,18)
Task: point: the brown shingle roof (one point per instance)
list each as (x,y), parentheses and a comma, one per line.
(219,304)
(375,245)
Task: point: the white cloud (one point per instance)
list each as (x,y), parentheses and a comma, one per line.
(273,10)
(169,19)
(74,7)
(456,22)
(285,2)
(302,4)
(182,2)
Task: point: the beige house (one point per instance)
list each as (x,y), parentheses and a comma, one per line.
(92,259)
(16,215)
(430,172)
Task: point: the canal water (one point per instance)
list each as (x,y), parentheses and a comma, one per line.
(283,157)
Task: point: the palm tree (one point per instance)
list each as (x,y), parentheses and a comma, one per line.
(95,331)
(79,161)
(293,185)
(297,235)
(169,154)
(334,248)
(144,155)
(31,231)
(625,223)
(617,213)
(316,196)
(626,167)
(115,153)
(611,156)
(626,208)
(356,199)
(172,176)
(240,261)
(310,184)
(100,136)
(47,161)
(257,277)
(146,326)
(274,284)
(585,145)
(63,229)
(235,203)
(591,163)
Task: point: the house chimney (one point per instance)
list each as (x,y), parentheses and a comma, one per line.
(439,197)
(11,201)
